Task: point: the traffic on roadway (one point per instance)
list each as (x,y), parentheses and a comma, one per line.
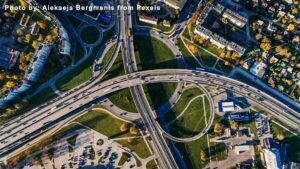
(26,127)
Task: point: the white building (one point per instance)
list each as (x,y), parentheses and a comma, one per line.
(176,4)
(259,69)
(241,148)
(218,40)
(227,106)
(24,20)
(148,19)
(235,18)
(272,158)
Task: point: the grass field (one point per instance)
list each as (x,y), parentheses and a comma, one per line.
(204,57)
(117,69)
(191,151)
(79,52)
(189,59)
(107,56)
(152,54)
(123,100)
(90,34)
(158,93)
(192,122)
(51,68)
(74,21)
(103,123)
(137,145)
(186,33)
(76,76)
(186,96)
(151,165)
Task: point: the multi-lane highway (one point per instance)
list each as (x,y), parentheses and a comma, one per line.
(18,131)
(160,147)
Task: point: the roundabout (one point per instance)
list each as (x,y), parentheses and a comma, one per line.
(90,35)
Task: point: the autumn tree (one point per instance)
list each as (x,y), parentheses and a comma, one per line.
(203,155)
(291,27)
(218,128)
(295,11)
(42,25)
(28,57)
(280,137)
(28,37)
(133,130)
(23,3)
(8,76)
(15,77)
(10,84)
(234,55)
(49,38)
(18,106)
(2,76)
(222,54)
(258,36)
(228,54)
(23,67)
(34,44)
(234,125)
(20,32)
(265,44)
(224,21)
(192,47)
(124,127)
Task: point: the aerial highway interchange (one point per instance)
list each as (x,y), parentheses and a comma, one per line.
(16,134)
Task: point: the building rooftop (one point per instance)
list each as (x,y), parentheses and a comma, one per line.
(176,4)
(8,57)
(235,18)
(227,106)
(272,158)
(148,19)
(37,62)
(240,116)
(259,69)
